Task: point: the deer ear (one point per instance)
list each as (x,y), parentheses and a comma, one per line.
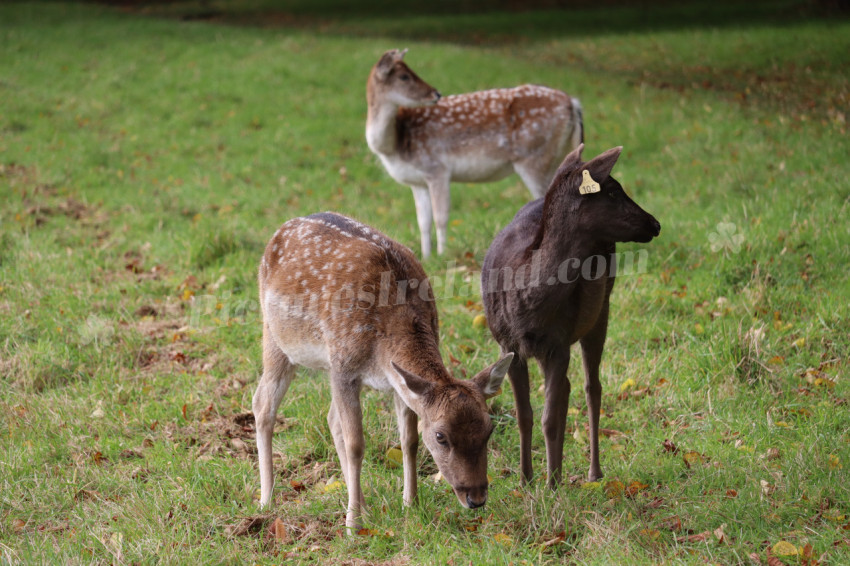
(601,165)
(410,386)
(490,379)
(388,59)
(573,158)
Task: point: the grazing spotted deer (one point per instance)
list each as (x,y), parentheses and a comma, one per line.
(427,142)
(546,282)
(340,296)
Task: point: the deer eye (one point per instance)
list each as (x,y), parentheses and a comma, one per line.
(441,438)
(405,77)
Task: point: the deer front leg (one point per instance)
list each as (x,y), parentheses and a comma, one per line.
(422,200)
(555,412)
(348,426)
(409,436)
(592,346)
(277,375)
(518,374)
(441,202)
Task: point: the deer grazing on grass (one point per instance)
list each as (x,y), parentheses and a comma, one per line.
(427,141)
(340,296)
(546,282)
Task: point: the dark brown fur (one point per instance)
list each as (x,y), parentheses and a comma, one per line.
(553,304)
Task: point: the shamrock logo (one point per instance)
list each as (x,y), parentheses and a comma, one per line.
(726,238)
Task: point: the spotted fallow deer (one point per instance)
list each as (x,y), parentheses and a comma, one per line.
(340,296)
(427,141)
(546,282)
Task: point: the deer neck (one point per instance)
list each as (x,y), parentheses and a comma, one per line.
(562,237)
(420,355)
(381,124)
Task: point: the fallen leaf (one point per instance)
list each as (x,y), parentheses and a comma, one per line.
(559,538)
(279,531)
(669,446)
(503,539)
(334,485)
(368,532)
(784,548)
(692,458)
(673,523)
(701,537)
(614,488)
(395,458)
(766,487)
(772,454)
(628,384)
(651,534)
(635,487)
(297,485)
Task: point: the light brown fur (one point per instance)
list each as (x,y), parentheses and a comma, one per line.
(338,295)
(427,142)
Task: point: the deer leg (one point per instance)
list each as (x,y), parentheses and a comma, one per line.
(555,412)
(591,350)
(422,200)
(440,202)
(409,436)
(278,372)
(535,175)
(345,392)
(339,443)
(518,374)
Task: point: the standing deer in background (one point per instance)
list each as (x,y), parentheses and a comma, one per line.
(340,296)
(546,281)
(427,142)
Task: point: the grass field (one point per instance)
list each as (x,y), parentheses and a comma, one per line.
(148,153)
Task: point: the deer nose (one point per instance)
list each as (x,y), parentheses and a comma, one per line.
(437,95)
(475,504)
(656,226)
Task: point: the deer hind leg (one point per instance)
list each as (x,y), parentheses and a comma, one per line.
(278,372)
(440,202)
(518,374)
(592,346)
(555,411)
(536,173)
(422,200)
(409,437)
(347,429)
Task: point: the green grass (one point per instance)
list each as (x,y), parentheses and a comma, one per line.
(145,162)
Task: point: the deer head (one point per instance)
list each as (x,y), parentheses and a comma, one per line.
(455,425)
(392,80)
(595,202)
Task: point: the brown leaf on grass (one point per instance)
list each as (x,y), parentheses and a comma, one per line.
(701,537)
(634,488)
(279,532)
(668,446)
(18,525)
(297,485)
(731,493)
(692,458)
(614,488)
(610,433)
(754,557)
(247,526)
(130,453)
(673,523)
(720,535)
(558,539)
(772,454)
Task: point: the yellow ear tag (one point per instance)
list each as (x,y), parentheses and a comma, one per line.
(588,185)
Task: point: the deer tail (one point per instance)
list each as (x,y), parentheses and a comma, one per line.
(578,124)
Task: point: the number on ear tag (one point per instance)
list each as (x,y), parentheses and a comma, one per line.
(588,185)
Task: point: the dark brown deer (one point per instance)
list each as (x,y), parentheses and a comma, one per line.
(427,142)
(546,282)
(340,296)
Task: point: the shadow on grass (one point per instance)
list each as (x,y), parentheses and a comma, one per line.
(488,22)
